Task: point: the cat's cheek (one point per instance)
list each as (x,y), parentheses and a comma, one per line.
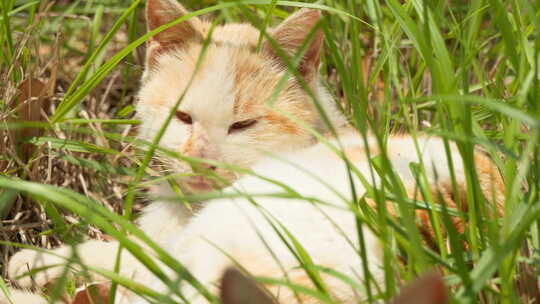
(175,137)
(153,120)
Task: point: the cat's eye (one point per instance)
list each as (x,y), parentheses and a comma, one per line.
(241,125)
(184,117)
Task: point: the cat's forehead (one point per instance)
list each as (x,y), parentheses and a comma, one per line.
(229,77)
(233,34)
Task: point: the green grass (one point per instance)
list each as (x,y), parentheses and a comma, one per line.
(465,71)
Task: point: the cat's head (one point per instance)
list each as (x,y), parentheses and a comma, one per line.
(224,113)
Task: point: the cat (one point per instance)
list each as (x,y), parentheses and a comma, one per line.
(223,115)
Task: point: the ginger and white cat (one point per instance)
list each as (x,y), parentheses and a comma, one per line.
(224,116)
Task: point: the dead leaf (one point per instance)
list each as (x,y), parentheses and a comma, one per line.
(427,289)
(33,98)
(93,294)
(236,288)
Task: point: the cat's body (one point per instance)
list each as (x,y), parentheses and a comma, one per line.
(232,228)
(327,232)
(326,228)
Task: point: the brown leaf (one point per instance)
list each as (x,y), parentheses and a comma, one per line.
(33,98)
(427,289)
(236,288)
(93,294)
(4,140)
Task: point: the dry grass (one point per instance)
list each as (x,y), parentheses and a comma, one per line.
(31,88)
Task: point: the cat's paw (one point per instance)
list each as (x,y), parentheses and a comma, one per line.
(30,268)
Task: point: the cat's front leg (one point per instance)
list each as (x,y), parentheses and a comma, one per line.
(49,266)
(162,220)
(201,258)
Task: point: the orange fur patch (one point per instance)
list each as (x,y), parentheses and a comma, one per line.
(492,187)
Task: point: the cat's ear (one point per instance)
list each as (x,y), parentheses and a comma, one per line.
(236,288)
(291,35)
(160,12)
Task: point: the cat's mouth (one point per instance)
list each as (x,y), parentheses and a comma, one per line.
(192,181)
(202,183)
